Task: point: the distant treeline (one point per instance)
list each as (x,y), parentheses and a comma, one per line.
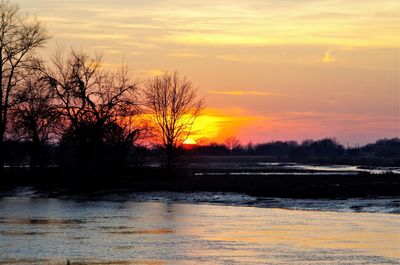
(325,148)
(20,153)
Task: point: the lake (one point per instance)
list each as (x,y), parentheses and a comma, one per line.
(36,230)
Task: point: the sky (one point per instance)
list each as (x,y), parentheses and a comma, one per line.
(268,70)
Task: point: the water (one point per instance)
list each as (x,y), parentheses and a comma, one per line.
(371,205)
(131,231)
(340,168)
(274,168)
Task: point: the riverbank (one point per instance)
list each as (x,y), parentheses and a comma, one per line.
(289,184)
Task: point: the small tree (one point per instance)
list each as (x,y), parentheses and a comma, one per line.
(19,37)
(174,105)
(233,144)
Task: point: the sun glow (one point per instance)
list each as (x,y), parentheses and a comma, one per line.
(189,141)
(215,125)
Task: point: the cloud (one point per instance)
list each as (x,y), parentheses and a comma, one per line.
(328,57)
(238,38)
(152,72)
(226,23)
(94,36)
(184,54)
(243,93)
(242,58)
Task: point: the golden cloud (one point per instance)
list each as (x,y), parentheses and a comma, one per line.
(243,93)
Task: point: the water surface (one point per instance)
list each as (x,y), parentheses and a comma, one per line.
(274,168)
(52,231)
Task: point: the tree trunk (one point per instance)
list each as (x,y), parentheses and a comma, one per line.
(170,156)
(2,148)
(37,155)
(2,127)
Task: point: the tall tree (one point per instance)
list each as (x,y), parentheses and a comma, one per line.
(97,106)
(174,105)
(19,37)
(35,118)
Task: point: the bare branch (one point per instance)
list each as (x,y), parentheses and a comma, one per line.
(173,103)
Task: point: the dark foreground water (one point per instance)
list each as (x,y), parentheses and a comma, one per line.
(52,231)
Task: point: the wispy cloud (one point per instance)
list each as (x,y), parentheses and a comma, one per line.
(184,54)
(152,72)
(328,57)
(239,58)
(93,36)
(243,93)
(226,23)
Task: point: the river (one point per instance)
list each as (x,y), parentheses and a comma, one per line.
(54,231)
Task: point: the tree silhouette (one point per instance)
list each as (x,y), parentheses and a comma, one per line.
(174,105)
(97,107)
(233,144)
(34,117)
(19,37)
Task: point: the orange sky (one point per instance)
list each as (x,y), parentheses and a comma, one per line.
(269,70)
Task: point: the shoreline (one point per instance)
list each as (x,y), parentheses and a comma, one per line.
(371,205)
(56,181)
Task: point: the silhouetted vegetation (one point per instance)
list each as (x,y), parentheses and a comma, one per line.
(328,150)
(97,109)
(20,36)
(174,106)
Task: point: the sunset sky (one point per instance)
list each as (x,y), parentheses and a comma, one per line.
(269,70)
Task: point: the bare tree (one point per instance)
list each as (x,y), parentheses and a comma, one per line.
(232,143)
(97,106)
(174,105)
(34,115)
(19,37)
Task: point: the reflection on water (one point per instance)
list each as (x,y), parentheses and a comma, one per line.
(342,168)
(47,222)
(52,231)
(158,231)
(296,169)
